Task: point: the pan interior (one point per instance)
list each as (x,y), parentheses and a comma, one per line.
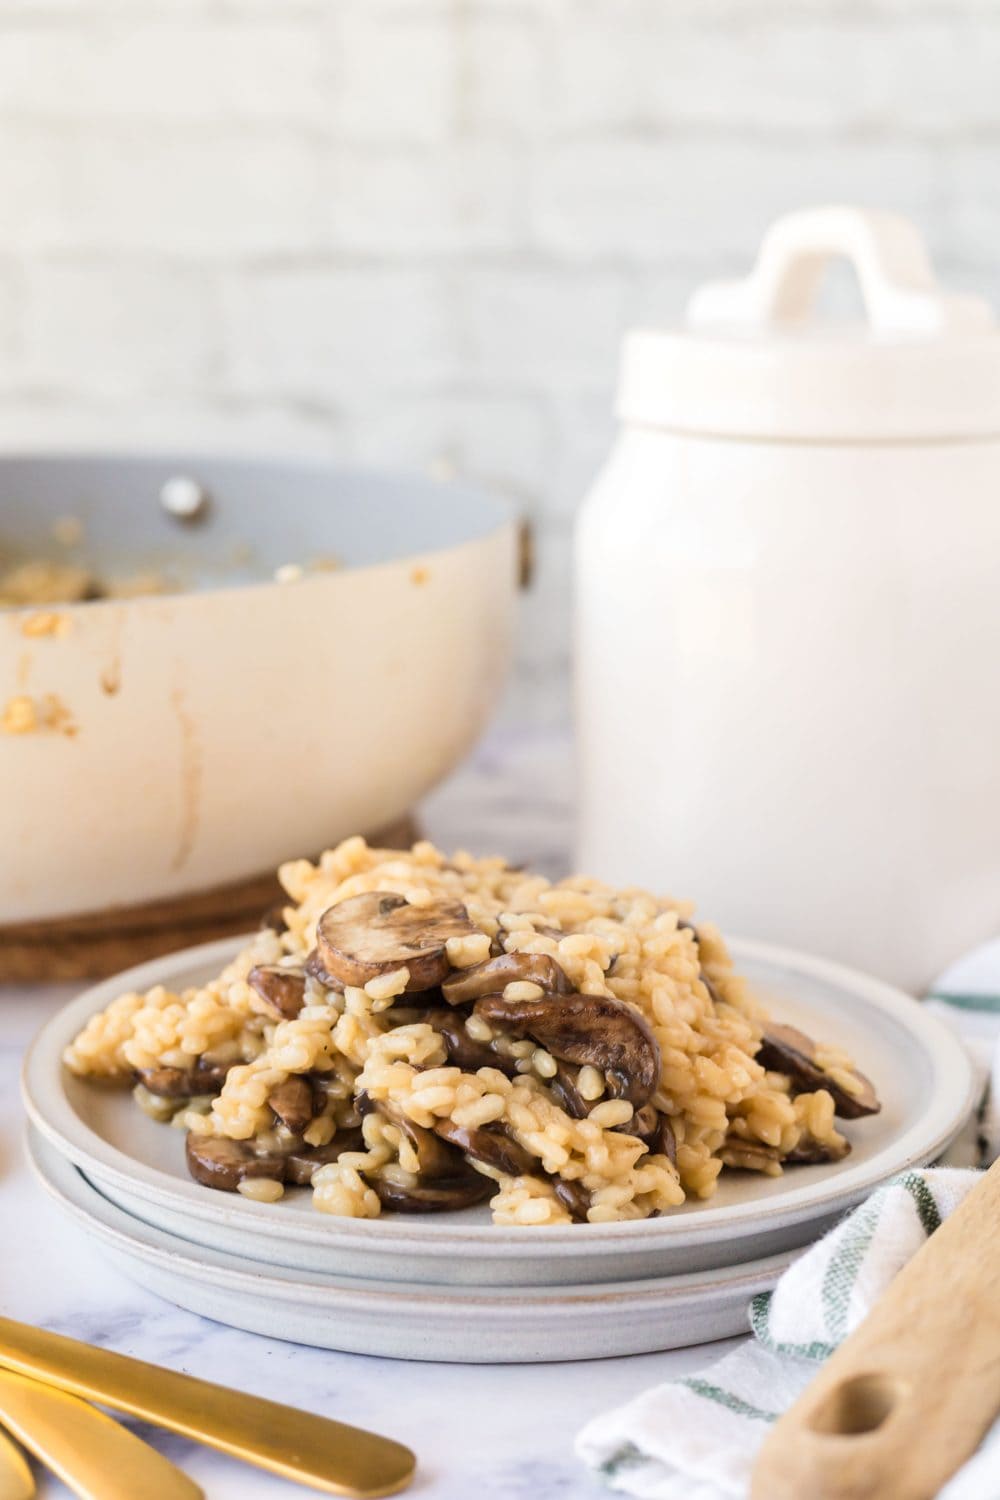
(262,515)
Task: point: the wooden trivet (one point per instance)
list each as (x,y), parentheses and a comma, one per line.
(95,944)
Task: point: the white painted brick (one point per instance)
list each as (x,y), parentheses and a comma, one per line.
(35,421)
(463,197)
(176,191)
(333,334)
(165,68)
(503,80)
(778,71)
(117,329)
(501,441)
(10,323)
(540,327)
(395,78)
(585,429)
(657,298)
(974,219)
(640,201)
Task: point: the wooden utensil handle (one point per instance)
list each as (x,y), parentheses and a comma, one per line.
(908,1396)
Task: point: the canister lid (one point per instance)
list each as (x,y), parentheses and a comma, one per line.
(753,361)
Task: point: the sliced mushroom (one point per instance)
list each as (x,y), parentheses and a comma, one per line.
(566,1093)
(574,1197)
(490,1145)
(372,934)
(434,1197)
(490,977)
(586,1029)
(184,1083)
(283,991)
(300,1165)
(292,1102)
(462,1049)
(435,1158)
(785,1049)
(314,968)
(809,1152)
(664,1142)
(217,1162)
(748,1156)
(654,1130)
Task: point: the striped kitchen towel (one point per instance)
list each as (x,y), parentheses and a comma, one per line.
(696,1438)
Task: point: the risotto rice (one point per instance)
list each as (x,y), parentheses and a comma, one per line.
(569,1050)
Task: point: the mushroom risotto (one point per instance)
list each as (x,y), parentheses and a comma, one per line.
(420,1033)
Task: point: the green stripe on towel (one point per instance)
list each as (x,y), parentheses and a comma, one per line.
(923,1198)
(987,1003)
(735,1404)
(761,1330)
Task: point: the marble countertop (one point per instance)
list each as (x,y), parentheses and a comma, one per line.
(489,1430)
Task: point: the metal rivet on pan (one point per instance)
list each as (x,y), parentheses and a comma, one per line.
(184,498)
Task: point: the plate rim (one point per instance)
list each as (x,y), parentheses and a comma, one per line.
(50,1111)
(67,1185)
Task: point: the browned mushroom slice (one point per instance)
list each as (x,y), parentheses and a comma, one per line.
(184,1083)
(292,1102)
(462,1049)
(490,977)
(314,968)
(217,1162)
(434,1197)
(586,1029)
(785,1049)
(664,1142)
(434,1157)
(566,1093)
(283,991)
(809,1152)
(654,1130)
(748,1156)
(372,934)
(574,1197)
(490,1145)
(300,1165)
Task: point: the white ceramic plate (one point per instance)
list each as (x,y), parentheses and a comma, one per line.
(401,1320)
(919,1069)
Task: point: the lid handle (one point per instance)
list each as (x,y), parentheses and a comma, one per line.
(898,286)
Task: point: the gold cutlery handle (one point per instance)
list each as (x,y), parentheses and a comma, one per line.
(16,1480)
(89,1451)
(310,1450)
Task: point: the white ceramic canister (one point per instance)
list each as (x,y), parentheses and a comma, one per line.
(788,610)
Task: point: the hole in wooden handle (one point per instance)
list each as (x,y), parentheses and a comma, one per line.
(858,1405)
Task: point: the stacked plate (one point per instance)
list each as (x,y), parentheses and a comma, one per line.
(455,1286)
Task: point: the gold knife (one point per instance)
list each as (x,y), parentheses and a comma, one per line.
(16,1480)
(90,1452)
(311,1450)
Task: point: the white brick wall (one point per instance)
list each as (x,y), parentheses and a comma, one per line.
(413,231)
